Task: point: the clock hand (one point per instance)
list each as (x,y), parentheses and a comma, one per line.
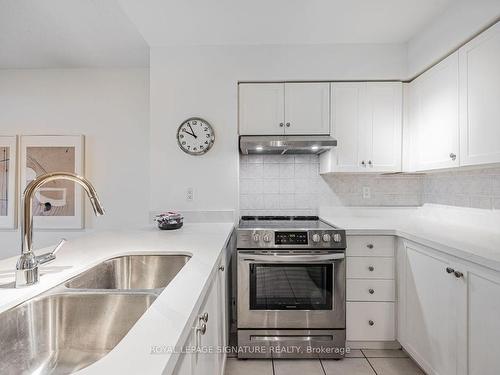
(191,134)
(192,131)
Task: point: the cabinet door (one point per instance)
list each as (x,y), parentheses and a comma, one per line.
(221,315)
(436,143)
(261,108)
(347,101)
(307,108)
(207,360)
(382,135)
(482,288)
(480,98)
(184,365)
(430,328)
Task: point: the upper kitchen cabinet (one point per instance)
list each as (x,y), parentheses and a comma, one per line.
(366,120)
(261,108)
(284,108)
(307,108)
(433,118)
(479,62)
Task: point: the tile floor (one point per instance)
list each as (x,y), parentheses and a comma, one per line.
(357,362)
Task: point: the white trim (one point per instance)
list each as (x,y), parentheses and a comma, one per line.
(9,221)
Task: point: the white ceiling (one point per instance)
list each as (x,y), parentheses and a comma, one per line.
(118,33)
(68,33)
(166,22)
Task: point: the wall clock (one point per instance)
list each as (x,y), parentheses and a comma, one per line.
(195,136)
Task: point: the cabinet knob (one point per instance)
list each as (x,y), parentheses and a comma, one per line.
(363,163)
(458,274)
(453,156)
(371,268)
(371,322)
(371,291)
(370,246)
(221,268)
(281,124)
(204,317)
(449,270)
(202,328)
(369,162)
(287,124)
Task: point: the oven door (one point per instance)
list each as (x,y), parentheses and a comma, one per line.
(291,289)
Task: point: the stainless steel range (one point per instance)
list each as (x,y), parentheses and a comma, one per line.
(291,288)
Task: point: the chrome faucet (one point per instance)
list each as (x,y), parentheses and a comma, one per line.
(27,272)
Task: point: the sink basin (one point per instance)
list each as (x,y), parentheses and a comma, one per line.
(62,333)
(131,272)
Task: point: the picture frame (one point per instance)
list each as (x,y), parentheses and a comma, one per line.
(58,204)
(8,172)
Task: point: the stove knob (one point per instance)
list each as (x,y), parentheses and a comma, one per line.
(327,237)
(316,237)
(267,238)
(256,237)
(337,237)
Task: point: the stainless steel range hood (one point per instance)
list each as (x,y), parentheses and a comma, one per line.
(292,144)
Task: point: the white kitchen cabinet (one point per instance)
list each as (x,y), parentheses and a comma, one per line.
(383,127)
(448,312)
(208,358)
(479,62)
(284,108)
(347,120)
(261,108)
(307,108)
(370,321)
(434,127)
(366,120)
(430,331)
(479,323)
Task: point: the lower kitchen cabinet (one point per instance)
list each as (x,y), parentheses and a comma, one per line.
(370,294)
(448,313)
(208,333)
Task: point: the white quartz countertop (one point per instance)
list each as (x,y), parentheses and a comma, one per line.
(165,323)
(469,234)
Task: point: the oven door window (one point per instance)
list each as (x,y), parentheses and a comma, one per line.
(291,286)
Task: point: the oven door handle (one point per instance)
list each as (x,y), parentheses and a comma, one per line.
(326,258)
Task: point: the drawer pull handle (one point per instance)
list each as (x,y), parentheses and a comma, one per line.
(204,317)
(371,322)
(370,246)
(371,291)
(371,268)
(202,329)
(221,268)
(458,274)
(449,270)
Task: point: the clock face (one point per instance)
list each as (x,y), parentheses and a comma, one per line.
(195,136)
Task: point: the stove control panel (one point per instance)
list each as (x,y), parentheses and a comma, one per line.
(290,238)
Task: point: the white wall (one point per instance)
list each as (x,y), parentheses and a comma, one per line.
(108,106)
(462,20)
(202,81)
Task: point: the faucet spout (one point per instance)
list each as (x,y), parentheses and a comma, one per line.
(27,265)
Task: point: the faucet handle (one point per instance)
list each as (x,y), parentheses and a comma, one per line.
(50,256)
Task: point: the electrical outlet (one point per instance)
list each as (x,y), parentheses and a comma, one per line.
(366,192)
(190,194)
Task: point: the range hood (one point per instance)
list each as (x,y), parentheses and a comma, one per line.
(281,145)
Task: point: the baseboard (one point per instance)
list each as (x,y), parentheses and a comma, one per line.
(373,344)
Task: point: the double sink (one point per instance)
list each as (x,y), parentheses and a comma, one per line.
(78,322)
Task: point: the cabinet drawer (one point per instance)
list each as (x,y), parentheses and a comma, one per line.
(370,321)
(381,246)
(370,268)
(370,290)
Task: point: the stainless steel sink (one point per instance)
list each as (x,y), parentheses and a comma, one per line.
(62,333)
(131,272)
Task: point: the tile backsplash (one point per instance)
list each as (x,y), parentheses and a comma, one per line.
(292,185)
(476,188)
